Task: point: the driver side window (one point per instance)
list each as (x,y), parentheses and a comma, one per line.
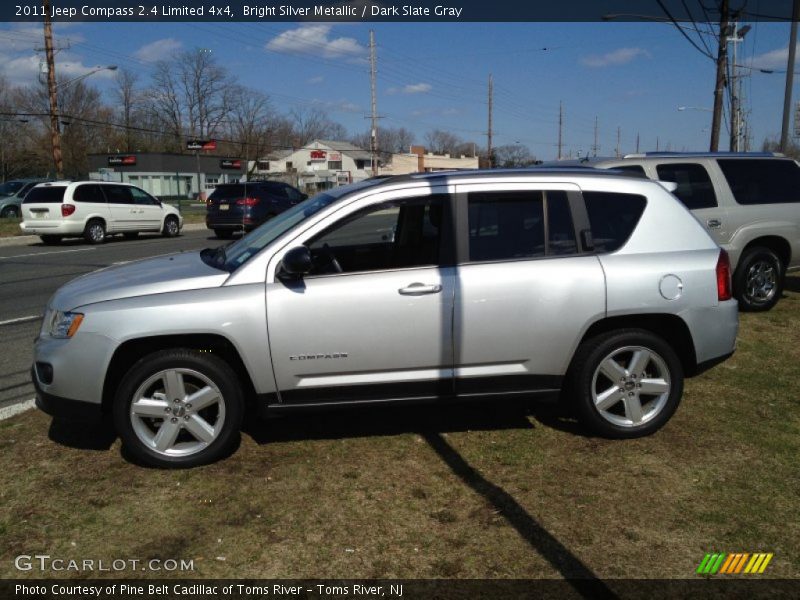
(393,235)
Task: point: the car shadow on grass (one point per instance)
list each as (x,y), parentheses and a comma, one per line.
(430,423)
(82,435)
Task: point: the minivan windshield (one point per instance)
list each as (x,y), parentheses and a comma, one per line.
(235,255)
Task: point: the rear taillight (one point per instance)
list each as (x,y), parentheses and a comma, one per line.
(247,201)
(67,209)
(724,291)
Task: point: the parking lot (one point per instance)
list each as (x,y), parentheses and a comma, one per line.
(454,491)
(32,272)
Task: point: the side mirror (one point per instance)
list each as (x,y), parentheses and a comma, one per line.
(297,262)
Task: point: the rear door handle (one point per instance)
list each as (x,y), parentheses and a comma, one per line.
(418,289)
(714,223)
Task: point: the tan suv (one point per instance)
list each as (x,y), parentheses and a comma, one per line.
(748,202)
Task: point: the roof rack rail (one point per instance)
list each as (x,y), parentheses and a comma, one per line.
(708,154)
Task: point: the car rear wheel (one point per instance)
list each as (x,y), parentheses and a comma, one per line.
(626,383)
(50,240)
(10,212)
(223,234)
(179,408)
(758,281)
(171,227)
(95,232)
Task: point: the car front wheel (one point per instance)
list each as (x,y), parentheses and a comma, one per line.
(626,383)
(758,281)
(179,408)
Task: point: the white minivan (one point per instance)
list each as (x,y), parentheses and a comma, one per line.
(94,210)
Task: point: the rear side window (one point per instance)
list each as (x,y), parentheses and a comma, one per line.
(518,225)
(612,217)
(89,193)
(118,194)
(695,189)
(45,195)
(762,181)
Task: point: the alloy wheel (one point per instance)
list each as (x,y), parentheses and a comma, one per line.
(631,386)
(177,412)
(761,281)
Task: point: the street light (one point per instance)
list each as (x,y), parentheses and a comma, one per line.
(64,84)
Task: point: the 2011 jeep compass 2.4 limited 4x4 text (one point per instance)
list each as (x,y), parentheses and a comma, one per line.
(420,287)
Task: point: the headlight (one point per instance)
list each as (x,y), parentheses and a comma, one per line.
(63,324)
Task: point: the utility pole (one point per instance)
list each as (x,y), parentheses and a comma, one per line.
(719,88)
(734,143)
(489,131)
(55,134)
(618,140)
(373,137)
(787,97)
(637,142)
(560,127)
(595,146)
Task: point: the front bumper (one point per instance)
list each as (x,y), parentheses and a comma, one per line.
(64,408)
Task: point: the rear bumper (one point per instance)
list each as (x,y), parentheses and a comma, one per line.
(713,331)
(52,227)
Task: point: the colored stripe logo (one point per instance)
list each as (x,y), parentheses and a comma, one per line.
(732,564)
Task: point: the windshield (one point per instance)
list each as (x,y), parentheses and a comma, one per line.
(9,188)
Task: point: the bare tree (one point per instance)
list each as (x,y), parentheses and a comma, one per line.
(129,104)
(513,155)
(249,122)
(165,105)
(313,124)
(439,141)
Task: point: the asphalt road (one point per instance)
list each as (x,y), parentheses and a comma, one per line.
(30,274)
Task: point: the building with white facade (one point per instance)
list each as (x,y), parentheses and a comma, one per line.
(319,165)
(418,161)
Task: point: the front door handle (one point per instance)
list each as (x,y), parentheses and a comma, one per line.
(418,289)
(714,223)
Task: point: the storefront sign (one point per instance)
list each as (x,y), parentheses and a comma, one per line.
(124,161)
(228,163)
(201,145)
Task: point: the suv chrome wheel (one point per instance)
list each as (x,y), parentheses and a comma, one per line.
(179,408)
(761,280)
(631,386)
(177,412)
(758,280)
(625,383)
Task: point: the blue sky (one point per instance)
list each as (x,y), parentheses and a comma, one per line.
(630,75)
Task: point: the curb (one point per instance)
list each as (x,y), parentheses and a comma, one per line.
(15,409)
(28,240)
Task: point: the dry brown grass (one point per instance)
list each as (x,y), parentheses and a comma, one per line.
(459,491)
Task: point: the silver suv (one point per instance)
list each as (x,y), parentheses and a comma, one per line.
(598,285)
(750,204)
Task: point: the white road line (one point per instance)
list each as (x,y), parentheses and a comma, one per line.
(15,409)
(44,253)
(21,320)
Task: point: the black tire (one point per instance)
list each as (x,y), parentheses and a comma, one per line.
(758,280)
(130,235)
(585,382)
(171,227)
(224,234)
(95,231)
(10,212)
(50,240)
(231,409)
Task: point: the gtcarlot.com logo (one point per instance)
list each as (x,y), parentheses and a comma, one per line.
(732,564)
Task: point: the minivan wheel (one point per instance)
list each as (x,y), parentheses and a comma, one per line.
(50,240)
(626,383)
(758,281)
(179,408)
(95,232)
(171,227)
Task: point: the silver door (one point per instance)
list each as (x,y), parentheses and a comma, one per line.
(524,294)
(382,328)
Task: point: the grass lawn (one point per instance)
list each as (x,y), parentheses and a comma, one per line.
(10,227)
(459,491)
